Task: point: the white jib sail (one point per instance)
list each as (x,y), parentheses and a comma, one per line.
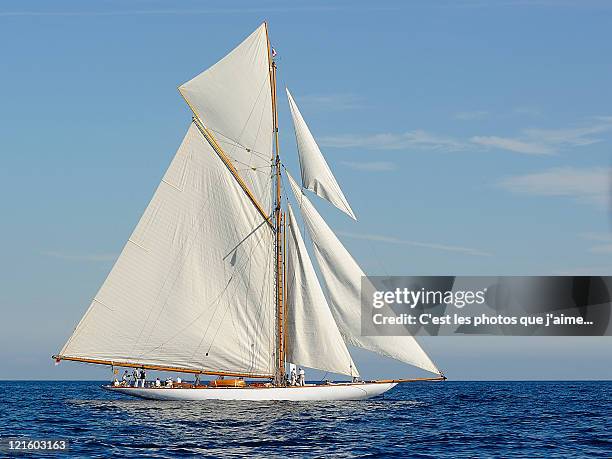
(313,339)
(233,99)
(342,276)
(316,174)
(193,286)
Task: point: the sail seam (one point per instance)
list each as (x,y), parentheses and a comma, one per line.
(173,186)
(138,245)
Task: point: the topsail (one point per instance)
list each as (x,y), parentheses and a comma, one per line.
(233,99)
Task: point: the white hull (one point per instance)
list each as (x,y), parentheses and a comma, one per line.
(350,391)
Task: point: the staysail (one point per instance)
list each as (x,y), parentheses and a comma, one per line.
(313,339)
(233,100)
(342,276)
(194,285)
(316,174)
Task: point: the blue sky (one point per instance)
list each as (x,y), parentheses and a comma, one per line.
(470,137)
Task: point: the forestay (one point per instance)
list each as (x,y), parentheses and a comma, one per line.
(342,277)
(193,287)
(316,174)
(313,339)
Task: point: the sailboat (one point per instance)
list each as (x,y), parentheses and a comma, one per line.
(216,278)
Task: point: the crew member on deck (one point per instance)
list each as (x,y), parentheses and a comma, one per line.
(135,376)
(124,378)
(157,383)
(302,377)
(293,377)
(143,377)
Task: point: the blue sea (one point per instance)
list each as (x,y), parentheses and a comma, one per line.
(421,420)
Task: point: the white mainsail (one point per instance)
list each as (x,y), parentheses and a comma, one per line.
(316,174)
(342,276)
(194,285)
(313,339)
(233,100)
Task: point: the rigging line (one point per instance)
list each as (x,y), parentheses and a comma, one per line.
(248,285)
(230,166)
(191,239)
(255,103)
(242,240)
(230,309)
(236,271)
(222,155)
(258,324)
(234,143)
(251,169)
(247,262)
(263,83)
(250,166)
(301,208)
(265,317)
(261,117)
(260,302)
(212,303)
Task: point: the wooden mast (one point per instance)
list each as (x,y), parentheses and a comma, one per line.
(278,223)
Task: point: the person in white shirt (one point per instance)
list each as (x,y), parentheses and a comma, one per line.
(157,383)
(293,378)
(135,377)
(178,380)
(302,380)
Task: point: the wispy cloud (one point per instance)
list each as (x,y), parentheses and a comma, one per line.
(417,139)
(471,115)
(536,141)
(425,245)
(572,136)
(81,257)
(370,166)
(332,101)
(515,145)
(591,185)
(532,141)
